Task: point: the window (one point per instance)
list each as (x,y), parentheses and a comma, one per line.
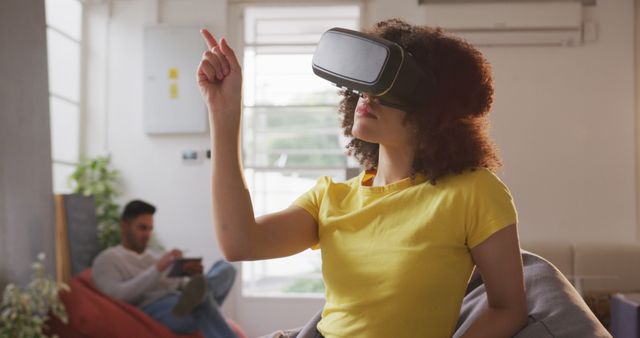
(64,45)
(291,132)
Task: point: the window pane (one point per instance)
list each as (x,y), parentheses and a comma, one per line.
(291,132)
(66,16)
(287,79)
(297,30)
(65,130)
(64,65)
(301,273)
(293,136)
(296,24)
(273,191)
(296,143)
(300,119)
(61,173)
(284,160)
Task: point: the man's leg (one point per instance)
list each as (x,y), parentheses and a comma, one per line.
(193,293)
(160,310)
(220,280)
(211,321)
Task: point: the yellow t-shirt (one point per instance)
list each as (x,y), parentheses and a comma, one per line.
(395,258)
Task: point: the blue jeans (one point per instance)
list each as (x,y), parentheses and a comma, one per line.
(206,316)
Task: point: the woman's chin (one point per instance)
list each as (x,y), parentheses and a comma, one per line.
(363,133)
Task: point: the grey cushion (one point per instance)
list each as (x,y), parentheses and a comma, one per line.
(555,308)
(534,329)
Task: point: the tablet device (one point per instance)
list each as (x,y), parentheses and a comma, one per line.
(178,265)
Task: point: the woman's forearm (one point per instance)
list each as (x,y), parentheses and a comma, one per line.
(233,215)
(219,78)
(497,323)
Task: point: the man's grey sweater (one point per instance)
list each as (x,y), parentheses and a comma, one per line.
(131,277)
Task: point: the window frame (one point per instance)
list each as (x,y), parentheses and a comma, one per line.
(236,30)
(80,103)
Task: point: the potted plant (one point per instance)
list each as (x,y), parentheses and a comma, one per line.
(95,177)
(23,313)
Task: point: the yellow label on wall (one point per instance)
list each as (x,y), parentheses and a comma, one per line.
(173,91)
(173,73)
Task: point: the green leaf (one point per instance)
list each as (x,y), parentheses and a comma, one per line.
(25,312)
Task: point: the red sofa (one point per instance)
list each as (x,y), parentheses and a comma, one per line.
(93,314)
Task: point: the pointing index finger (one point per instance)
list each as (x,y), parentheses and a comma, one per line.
(208,37)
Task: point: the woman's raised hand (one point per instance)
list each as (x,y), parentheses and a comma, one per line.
(219,78)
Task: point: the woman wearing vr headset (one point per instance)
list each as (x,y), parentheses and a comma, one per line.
(400,241)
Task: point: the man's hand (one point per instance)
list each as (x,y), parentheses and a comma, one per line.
(192,268)
(167,259)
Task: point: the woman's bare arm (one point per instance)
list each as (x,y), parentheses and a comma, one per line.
(240,235)
(500,263)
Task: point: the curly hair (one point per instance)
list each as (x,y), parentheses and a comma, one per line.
(450,124)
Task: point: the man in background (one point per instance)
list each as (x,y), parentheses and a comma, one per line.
(132,273)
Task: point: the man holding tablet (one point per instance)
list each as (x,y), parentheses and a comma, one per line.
(155,282)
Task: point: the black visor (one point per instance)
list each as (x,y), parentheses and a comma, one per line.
(368,64)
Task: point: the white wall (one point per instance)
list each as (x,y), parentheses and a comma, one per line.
(564,121)
(563,118)
(151,166)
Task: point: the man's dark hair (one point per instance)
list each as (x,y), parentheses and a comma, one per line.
(136,208)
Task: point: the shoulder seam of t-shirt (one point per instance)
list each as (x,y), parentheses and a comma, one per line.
(495,225)
(307,208)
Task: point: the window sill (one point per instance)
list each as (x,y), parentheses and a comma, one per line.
(281,295)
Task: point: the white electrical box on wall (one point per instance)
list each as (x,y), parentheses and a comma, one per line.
(172,101)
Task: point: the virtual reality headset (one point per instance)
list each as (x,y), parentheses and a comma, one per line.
(367,64)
